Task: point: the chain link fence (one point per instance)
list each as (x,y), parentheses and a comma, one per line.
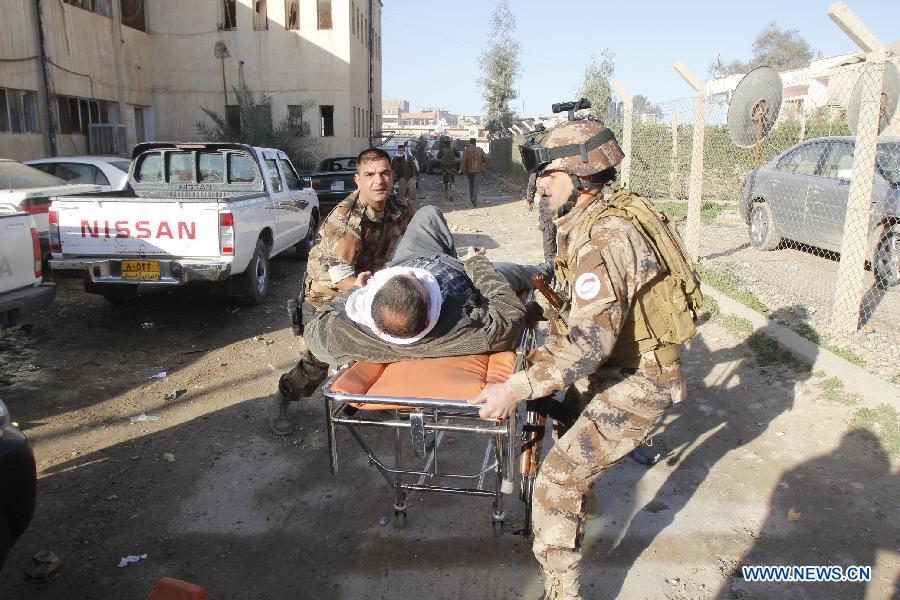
(810,231)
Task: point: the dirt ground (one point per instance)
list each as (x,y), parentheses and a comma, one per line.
(211,497)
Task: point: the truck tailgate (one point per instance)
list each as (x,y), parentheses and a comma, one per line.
(123,228)
(16,252)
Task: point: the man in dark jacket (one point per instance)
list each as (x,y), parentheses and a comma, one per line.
(427,304)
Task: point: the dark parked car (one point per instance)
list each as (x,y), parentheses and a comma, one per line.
(17,483)
(802,195)
(333,181)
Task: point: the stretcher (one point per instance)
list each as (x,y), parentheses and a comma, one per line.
(421,401)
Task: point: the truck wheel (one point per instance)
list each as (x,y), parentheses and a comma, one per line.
(256,276)
(119,294)
(305,245)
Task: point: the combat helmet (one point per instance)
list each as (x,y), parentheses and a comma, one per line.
(580,146)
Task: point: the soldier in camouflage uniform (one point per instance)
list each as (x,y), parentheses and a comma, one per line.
(620,379)
(359,235)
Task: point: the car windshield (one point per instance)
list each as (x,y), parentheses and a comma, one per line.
(16,176)
(888,159)
(121,165)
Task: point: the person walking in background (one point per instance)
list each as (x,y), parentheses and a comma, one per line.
(474,162)
(405,171)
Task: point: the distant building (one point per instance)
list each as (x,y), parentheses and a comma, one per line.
(390,112)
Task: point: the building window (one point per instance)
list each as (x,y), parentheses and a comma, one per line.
(18,111)
(233,117)
(76,115)
(260,18)
(133,14)
(140,132)
(101,7)
(324,11)
(327,118)
(229,14)
(292,14)
(298,124)
(353,17)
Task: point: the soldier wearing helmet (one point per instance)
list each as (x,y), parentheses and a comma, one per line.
(630,299)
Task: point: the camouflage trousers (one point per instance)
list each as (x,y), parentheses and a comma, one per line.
(615,408)
(547,227)
(303,380)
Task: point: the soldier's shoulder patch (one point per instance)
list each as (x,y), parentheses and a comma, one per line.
(593,286)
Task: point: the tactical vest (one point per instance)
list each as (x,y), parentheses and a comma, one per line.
(664,311)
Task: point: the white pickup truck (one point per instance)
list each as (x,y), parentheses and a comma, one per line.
(21,287)
(213,212)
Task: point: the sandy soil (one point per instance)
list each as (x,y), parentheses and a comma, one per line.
(249,515)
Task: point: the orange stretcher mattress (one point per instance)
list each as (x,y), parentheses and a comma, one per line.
(451,378)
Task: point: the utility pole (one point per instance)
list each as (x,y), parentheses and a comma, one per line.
(48,124)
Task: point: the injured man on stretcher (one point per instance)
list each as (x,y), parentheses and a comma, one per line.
(427,303)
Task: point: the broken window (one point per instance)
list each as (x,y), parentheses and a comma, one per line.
(260,19)
(292,14)
(229,14)
(327,120)
(324,10)
(133,14)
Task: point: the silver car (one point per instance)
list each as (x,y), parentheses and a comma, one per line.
(801,195)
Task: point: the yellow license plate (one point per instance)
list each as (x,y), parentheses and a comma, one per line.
(140,270)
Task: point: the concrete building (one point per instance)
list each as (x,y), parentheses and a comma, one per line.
(391,110)
(110,73)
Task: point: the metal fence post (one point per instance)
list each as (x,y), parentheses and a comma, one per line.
(851,276)
(692,237)
(627,127)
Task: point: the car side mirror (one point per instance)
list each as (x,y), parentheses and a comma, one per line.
(305,182)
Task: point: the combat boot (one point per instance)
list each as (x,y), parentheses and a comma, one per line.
(279,420)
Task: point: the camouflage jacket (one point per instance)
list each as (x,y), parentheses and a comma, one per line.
(492,322)
(404,167)
(473,160)
(613,262)
(352,241)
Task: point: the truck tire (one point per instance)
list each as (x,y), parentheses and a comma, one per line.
(256,276)
(306,244)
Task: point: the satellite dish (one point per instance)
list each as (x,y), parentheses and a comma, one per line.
(889,92)
(754,107)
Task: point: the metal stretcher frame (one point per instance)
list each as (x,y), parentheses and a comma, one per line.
(427,420)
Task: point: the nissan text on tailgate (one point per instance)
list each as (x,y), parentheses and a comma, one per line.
(195,213)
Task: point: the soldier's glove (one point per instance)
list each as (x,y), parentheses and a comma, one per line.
(293,307)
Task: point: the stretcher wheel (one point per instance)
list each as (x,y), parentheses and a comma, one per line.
(400,519)
(497,527)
